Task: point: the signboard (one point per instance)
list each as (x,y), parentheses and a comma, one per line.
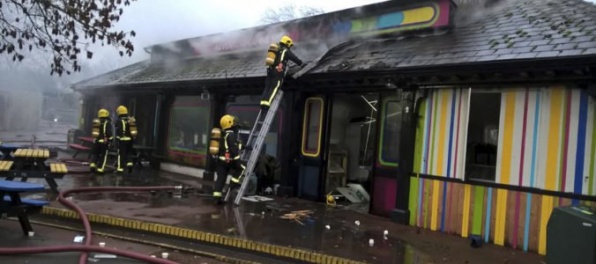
(381,18)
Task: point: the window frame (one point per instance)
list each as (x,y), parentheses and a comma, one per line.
(305,131)
(382,161)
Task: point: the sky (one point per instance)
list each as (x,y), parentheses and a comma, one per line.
(157,22)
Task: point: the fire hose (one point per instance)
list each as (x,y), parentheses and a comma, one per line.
(86,247)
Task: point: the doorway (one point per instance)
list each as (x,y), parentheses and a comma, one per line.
(351,148)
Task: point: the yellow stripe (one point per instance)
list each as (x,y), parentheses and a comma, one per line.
(509,123)
(444,95)
(547,208)
(466,217)
(500,217)
(435,205)
(418,15)
(554,139)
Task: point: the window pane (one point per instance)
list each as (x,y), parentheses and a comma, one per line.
(391,133)
(313,129)
(483,135)
(188,131)
(248,115)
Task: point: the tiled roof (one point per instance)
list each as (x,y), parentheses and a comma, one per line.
(515,30)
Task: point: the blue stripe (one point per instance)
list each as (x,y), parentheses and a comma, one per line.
(532,172)
(489,205)
(581,145)
(527,222)
(448,158)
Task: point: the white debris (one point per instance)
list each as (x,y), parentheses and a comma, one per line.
(371,242)
(357,223)
(385,233)
(328,227)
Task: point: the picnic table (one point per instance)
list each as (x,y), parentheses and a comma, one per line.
(30,163)
(7,149)
(12,204)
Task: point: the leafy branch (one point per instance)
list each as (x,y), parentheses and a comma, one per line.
(63,28)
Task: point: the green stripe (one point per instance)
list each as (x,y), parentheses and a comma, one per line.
(478,209)
(413,200)
(591,180)
(434,128)
(419,138)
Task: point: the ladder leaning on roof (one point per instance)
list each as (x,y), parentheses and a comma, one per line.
(255,140)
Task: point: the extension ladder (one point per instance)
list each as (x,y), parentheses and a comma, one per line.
(255,140)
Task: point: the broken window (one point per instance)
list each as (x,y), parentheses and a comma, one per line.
(483,135)
(391,130)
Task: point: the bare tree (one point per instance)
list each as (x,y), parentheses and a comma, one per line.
(288,12)
(62,28)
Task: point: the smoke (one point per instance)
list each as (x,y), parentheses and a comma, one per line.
(470,11)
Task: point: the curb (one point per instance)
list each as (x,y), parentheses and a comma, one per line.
(275,250)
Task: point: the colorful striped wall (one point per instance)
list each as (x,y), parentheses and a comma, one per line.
(547,140)
(441,136)
(500,216)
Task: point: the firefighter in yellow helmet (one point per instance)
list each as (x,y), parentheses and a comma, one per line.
(102,133)
(124,138)
(228,159)
(276,72)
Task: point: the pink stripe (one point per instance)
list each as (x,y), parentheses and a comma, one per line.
(521,169)
(566,143)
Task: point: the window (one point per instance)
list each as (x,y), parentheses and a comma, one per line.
(390,133)
(247,114)
(483,135)
(311,135)
(188,130)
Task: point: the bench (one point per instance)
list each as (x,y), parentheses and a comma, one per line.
(59,168)
(78,148)
(6,165)
(32,153)
(30,202)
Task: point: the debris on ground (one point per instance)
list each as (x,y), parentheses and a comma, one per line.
(297,216)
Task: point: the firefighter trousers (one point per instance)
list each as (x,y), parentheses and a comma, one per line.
(223,168)
(124,151)
(272,85)
(100,156)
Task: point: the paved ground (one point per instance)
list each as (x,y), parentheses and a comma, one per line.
(261,222)
(48,236)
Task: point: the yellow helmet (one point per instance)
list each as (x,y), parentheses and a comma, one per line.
(287,41)
(103,113)
(122,110)
(227,121)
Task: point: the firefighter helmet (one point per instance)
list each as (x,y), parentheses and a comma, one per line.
(103,113)
(287,41)
(228,121)
(122,110)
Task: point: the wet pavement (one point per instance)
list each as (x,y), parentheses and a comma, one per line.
(49,236)
(331,231)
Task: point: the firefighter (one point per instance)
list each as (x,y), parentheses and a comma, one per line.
(125,134)
(228,159)
(102,133)
(276,72)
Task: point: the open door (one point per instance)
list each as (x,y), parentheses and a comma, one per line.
(311,162)
(386,165)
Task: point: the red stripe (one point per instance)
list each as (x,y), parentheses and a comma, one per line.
(566,143)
